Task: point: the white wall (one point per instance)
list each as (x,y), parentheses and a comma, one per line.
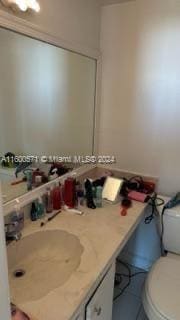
(75,21)
(140,111)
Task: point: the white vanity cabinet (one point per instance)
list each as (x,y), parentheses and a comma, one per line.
(101,303)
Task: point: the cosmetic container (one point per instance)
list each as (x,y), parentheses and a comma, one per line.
(29,177)
(34,215)
(98,199)
(49,201)
(56,197)
(70,192)
(40,208)
(80,198)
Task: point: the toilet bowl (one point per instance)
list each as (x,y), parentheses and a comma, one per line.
(161,294)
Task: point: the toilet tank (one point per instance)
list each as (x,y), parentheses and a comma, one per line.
(171,237)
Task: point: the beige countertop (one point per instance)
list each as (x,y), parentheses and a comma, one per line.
(11,192)
(102,233)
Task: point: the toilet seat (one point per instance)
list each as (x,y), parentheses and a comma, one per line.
(161,297)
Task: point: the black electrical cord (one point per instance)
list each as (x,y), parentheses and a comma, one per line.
(154,202)
(137,179)
(129,276)
(163,252)
(136,183)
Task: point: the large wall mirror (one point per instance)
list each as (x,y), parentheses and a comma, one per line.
(47,106)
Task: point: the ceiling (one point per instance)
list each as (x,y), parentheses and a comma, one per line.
(106,2)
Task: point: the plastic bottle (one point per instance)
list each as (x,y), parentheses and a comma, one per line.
(40,208)
(70,192)
(29,177)
(99,196)
(80,198)
(56,197)
(34,215)
(53,174)
(49,201)
(94,192)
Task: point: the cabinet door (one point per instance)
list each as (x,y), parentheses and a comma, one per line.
(100,306)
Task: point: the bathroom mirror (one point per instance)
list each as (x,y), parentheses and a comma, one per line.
(111,189)
(47,105)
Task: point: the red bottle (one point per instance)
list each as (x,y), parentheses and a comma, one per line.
(56,198)
(70,192)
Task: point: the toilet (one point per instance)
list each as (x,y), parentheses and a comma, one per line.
(161,294)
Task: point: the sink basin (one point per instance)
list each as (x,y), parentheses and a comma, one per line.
(47,259)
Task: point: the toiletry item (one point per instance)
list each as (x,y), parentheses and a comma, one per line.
(22,167)
(53,174)
(40,208)
(38,180)
(80,198)
(29,176)
(98,199)
(56,197)
(94,192)
(70,192)
(53,216)
(138,196)
(99,182)
(125,205)
(89,194)
(60,169)
(34,215)
(73,210)
(14,183)
(49,202)
(49,219)
(36,177)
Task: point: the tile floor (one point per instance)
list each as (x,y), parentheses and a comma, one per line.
(129,306)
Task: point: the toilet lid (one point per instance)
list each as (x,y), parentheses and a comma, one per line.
(163,287)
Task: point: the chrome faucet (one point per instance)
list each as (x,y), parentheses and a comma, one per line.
(14,227)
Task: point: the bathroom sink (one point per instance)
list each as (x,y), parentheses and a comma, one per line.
(42,262)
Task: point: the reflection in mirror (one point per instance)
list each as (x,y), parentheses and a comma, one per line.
(47,97)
